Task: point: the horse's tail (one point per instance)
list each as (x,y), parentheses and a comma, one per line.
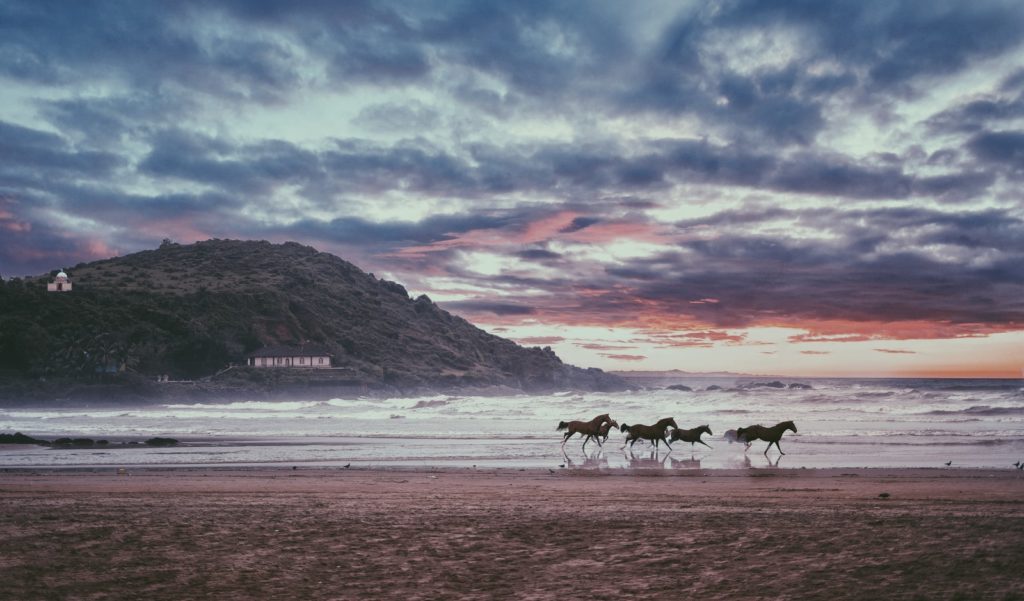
(562,426)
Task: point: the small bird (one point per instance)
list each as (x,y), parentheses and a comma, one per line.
(1016,465)
(551,470)
(949,463)
(561,465)
(348,465)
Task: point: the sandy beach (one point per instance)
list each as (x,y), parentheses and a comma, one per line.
(279,533)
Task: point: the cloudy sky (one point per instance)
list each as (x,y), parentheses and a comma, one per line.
(798,187)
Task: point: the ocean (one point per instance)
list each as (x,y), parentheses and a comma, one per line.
(841,422)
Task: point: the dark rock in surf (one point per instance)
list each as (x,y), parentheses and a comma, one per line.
(680,387)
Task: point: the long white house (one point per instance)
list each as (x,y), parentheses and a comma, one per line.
(307,355)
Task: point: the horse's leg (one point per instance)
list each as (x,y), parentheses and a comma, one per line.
(666,443)
(705,444)
(779,448)
(767,449)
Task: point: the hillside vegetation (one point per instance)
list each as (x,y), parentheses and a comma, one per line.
(191,310)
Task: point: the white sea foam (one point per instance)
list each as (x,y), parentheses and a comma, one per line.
(840,421)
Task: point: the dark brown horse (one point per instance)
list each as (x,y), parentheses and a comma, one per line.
(655,433)
(772,435)
(602,432)
(692,435)
(588,429)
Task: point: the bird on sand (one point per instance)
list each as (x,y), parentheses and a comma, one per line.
(949,463)
(551,470)
(347,465)
(561,465)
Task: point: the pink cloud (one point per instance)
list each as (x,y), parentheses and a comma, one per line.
(540,340)
(624,357)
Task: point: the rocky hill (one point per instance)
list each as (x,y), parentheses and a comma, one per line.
(189,311)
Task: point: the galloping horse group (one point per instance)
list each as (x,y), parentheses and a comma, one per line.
(599,428)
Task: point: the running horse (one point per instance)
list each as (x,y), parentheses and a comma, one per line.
(602,432)
(655,433)
(773,435)
(692,435)
(588,429)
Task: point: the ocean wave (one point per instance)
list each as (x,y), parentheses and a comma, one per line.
(429,404)
(251,405)
(982,410)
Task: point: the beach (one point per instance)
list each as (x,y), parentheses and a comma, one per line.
(511,533)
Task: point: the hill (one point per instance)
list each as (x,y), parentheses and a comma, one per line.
(189,311)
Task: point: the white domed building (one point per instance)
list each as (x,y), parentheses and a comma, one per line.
(61,283)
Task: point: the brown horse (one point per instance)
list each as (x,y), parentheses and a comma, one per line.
(773,435)
(692,435)
(602,432)
(588,429)
(655,433)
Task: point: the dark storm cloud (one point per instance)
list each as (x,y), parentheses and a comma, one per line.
(579,223)
(204,159)
(876,48)
(962,272)
(538,254)
(976,115)
(848,278)
(1003,148)
(806,172)
(495,308)
(26,148)
(355,230)
(144,44)
(538,48)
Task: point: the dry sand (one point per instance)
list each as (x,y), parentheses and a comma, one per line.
(277,533)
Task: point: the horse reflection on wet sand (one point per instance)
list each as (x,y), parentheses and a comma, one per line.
(589,429)
(590,461)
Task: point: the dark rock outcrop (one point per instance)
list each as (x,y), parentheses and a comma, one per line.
(19,438)
(773,384)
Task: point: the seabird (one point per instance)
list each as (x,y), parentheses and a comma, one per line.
(949,463)
(347,465)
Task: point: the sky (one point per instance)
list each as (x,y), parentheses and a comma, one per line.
(796,188)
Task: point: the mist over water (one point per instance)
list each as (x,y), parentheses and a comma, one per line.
(842,423)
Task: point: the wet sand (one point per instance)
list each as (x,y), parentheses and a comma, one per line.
(278,533)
